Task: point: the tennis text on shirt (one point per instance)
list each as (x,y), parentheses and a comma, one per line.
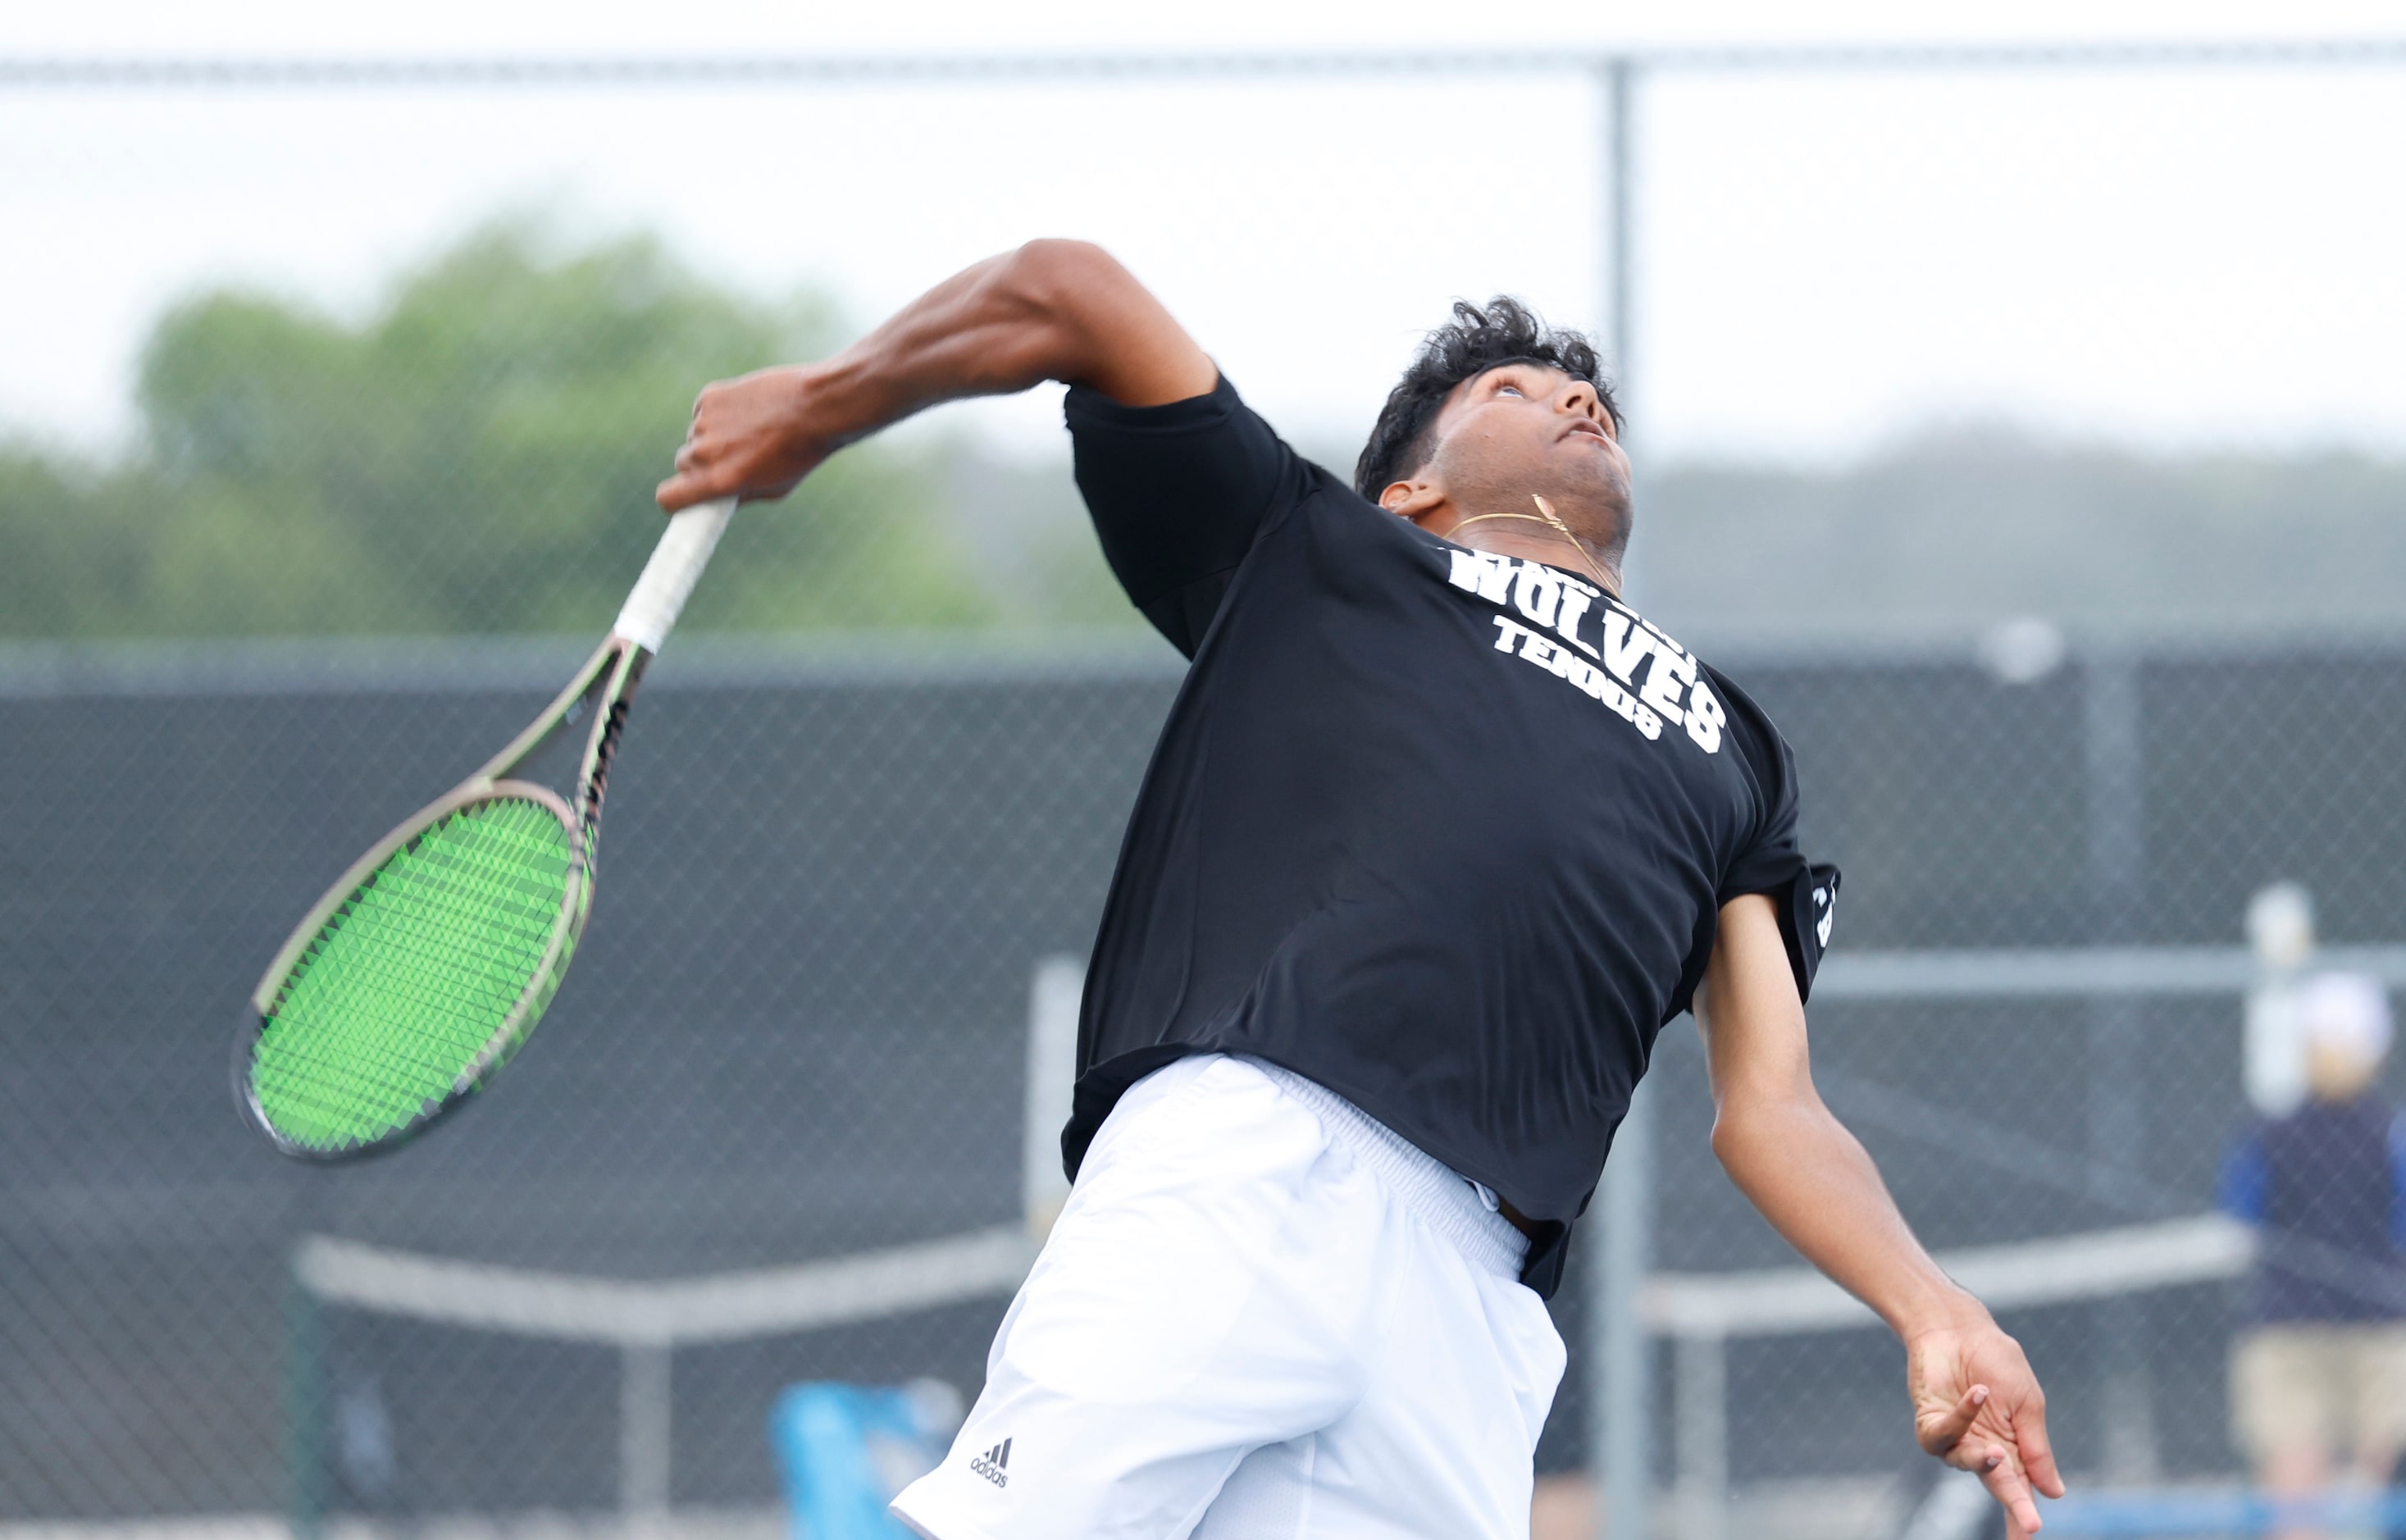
(1614,655)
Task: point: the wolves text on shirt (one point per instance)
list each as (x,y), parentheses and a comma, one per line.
(1625,644)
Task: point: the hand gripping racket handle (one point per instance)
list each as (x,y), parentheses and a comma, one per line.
(668,577)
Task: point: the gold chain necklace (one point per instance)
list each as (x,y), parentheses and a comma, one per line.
(1547,516)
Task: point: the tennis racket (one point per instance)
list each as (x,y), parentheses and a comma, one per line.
(422,970)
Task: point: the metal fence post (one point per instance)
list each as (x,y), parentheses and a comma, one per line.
(1620,1452)
(1054,994)
(2114,766)
(1700,1428)
(1623,1254)
(304,1407)
(643,1435)
(1618,78)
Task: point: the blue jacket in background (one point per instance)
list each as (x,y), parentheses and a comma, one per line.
(2325,1186)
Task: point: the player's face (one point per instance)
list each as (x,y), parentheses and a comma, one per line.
(1524,427)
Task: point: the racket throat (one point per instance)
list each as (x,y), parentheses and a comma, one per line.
(595,780)
(601,747)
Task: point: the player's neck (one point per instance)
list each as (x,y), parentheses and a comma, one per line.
(1533,540)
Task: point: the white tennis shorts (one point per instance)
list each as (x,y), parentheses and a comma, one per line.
(1261,1316)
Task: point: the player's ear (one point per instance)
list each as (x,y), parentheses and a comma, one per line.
(1414,500)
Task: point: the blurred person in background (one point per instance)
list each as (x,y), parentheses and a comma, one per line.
(2318,1368)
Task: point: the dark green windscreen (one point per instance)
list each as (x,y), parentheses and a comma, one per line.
(412,977)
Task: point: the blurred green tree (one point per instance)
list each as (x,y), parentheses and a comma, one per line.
(475,457)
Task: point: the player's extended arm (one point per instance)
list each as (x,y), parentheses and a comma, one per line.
(1976,1403)
(1052,310)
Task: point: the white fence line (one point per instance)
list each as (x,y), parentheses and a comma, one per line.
(984,1264)
(2066,972)
(1791,1301)
(670,1313)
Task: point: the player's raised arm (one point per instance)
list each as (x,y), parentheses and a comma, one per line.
(1976,1403)
(1051,310)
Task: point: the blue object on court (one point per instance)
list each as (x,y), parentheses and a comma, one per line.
(2163,1515)
(846,1450)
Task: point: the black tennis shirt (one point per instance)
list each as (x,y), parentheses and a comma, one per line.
(1444,831)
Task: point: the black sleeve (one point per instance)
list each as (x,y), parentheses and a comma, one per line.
(1178,494)
(1805,895)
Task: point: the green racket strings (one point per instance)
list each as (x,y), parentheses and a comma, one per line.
(411,979)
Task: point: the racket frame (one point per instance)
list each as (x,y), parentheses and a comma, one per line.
(608,681)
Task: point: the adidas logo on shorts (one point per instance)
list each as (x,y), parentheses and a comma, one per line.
(992,1463)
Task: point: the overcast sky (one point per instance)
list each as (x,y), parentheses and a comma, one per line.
(2171,258)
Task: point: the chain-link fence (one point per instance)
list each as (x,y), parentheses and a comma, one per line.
(773,1130)
(799,1033)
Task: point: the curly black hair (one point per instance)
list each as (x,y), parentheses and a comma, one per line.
(1477,339)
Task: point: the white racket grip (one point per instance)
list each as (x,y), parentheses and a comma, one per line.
(668,577)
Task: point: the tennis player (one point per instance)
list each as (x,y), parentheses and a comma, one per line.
(1438,835)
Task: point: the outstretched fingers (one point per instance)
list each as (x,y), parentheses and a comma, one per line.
(1940,1431)
(2001,1473)
(2037,1454)
(1953,1436)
